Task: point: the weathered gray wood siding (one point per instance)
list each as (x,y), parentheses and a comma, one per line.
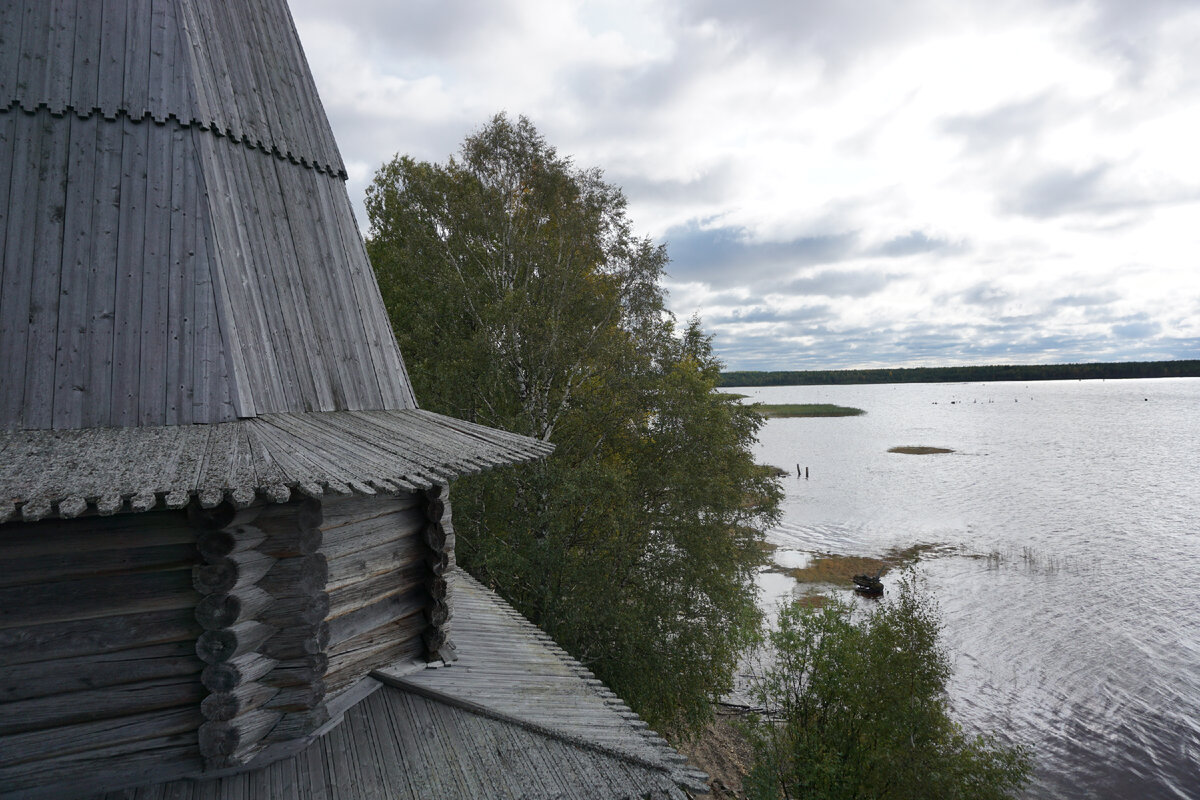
(234,68)
(108,313)
(178,245)
(98,670)
(377,593)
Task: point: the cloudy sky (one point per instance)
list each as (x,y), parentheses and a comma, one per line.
(840,183)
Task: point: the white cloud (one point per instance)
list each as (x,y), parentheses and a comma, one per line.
(1015,153)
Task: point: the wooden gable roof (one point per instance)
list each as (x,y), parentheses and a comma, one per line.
(178,244)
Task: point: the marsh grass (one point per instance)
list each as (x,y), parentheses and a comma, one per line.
(836,569)
(811,599)
(807,410)
(1036,562)
(919,450)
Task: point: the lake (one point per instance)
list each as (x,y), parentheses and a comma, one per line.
(1069,581)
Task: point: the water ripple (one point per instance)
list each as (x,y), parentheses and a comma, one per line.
(1068,604)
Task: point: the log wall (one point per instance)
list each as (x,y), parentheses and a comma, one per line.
(438,537)
(98,670)
(148,646)
(377,593)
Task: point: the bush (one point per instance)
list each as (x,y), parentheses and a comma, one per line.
(857,708)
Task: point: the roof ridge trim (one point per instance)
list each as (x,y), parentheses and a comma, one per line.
(484,711)
(112,115)
(615,703)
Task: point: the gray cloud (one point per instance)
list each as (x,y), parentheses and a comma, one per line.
(1060,191)
(1086,300)
(837,283)
(913,243)
(423,28)
(725,257)
(1011,123)
(758,313)
(1026,338)
(837,32)
(1128,32)
(1097,190)
(1139,326)
(984,294)
(712,185)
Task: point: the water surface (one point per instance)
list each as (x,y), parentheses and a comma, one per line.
(1072,595)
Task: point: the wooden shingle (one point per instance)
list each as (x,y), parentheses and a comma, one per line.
(178,242)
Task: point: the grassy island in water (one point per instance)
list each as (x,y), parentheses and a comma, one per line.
(808,410)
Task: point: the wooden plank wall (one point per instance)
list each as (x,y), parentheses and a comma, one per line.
(235,68)
(296,288)
(178,242)
(98,670)
(377,593)
(108,313)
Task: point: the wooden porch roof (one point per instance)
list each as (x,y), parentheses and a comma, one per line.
(110,470)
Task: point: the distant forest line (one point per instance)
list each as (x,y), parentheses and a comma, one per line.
(997,372)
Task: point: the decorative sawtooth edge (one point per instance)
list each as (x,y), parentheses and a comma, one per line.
(66,505)
(676,762)
(235,712)
(69,506)
(438,536)
(221,132)
(72,506)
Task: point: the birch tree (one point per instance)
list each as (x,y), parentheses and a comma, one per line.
(522,299)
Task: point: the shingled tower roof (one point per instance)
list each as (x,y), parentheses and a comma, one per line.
(178,248)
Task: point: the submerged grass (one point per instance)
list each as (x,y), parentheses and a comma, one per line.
(919,450)
(811,599)
(808,410)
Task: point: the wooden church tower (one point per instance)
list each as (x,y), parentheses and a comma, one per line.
(224,522)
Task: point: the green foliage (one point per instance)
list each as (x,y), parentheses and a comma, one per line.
(521,299)
(860,711)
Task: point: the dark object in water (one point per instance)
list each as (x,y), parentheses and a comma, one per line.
(869,585)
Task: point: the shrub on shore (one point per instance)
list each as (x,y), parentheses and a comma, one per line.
(858,708)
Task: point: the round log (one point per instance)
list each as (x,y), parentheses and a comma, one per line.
(225,676)
(224,706)
(309,514)
(217,611)
(228,643)
(434,509)
(232,572)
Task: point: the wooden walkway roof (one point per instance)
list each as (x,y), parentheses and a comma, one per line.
(110,470)
(513,718)
(511,671)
